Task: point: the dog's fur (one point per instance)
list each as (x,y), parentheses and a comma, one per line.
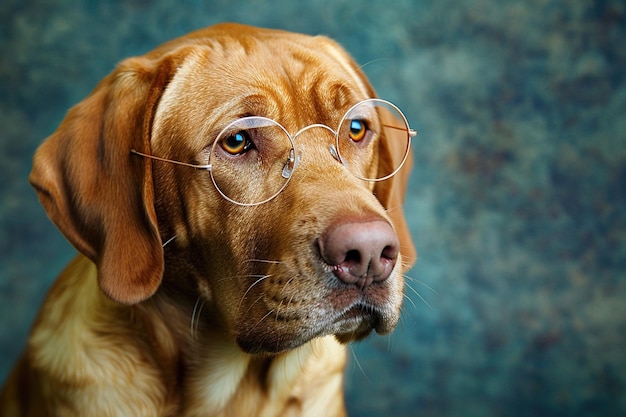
(237,315)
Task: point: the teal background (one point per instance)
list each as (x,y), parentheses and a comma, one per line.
(516,202)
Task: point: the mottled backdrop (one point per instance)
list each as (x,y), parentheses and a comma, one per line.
(517,201)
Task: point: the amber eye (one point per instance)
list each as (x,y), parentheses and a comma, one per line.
(237,143)
(357,130)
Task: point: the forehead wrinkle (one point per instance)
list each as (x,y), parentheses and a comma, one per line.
(343,61)
(305,67)
(306,89)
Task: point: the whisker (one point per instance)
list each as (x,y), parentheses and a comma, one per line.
(290,299)
(292,295)
(198,318)
(406,264)
(392,209)
(253,304)
(404,323)
(195,315)
(250,288)
(168,241)
(373,61)
(422,283)
(193,318)
(278,309)
(389,343)
(357,362)
(267,261)
(241,276)
(263,318)
(418,294)
(410,300)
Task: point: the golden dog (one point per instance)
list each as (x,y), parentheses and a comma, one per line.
(236,199)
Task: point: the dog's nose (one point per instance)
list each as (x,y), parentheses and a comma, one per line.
(362,252)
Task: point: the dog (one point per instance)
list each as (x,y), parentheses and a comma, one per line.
(235,197)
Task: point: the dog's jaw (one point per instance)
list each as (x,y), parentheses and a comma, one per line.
(289,312)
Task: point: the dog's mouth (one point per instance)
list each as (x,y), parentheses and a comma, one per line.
(353,324)
(356,324)
(287,320)
(359,321)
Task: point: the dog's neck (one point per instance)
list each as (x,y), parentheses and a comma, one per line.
(204,359)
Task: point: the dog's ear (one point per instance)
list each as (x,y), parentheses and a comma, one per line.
(99,194)
(390,193)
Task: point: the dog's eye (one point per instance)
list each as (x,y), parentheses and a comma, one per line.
(358,128)
(236,144)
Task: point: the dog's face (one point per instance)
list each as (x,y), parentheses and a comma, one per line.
(266,273)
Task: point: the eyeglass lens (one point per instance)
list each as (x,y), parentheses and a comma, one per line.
(360,132)
(248,159)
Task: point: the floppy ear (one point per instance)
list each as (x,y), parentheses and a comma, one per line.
(390,193)
(96,192)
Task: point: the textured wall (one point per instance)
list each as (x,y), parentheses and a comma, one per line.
(517,202)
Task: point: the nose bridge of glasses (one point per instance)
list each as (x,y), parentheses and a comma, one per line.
(323,127)
(331,146)
(313,126)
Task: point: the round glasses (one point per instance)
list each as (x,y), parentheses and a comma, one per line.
(253,158)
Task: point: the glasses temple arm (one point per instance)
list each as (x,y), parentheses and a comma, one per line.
(412,132)
(170,160)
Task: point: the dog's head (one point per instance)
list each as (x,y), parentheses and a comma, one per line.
(323,254)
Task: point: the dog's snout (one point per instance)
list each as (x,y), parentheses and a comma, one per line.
(361,252)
